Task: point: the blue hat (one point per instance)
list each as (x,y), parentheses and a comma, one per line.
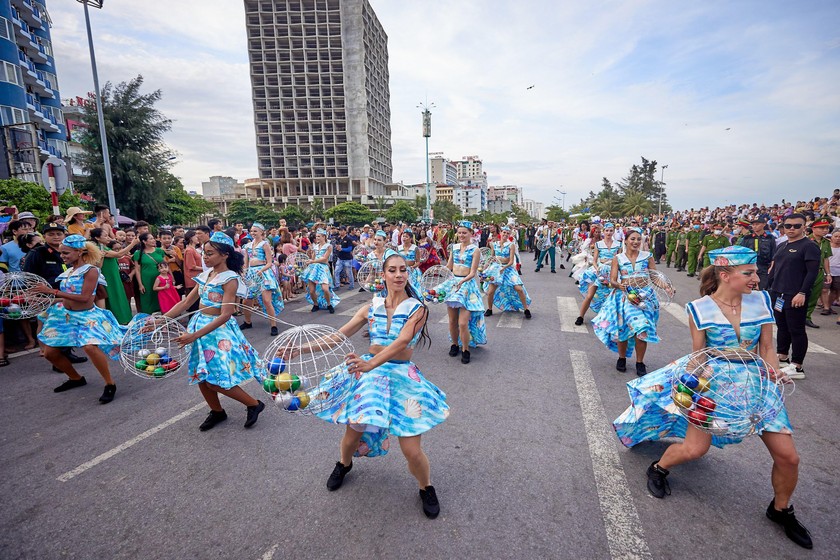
(390,253)
(219,237)
(635,229)
(505,228)
(465,223)
(321,231)
(609,225)
(258,225)
(381,233)
(74,241)
(733,255)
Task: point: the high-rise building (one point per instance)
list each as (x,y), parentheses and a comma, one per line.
(506,192)
(219,186)
(535,209)
(30,104)
(319,77)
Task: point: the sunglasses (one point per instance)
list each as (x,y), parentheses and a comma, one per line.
(792,226)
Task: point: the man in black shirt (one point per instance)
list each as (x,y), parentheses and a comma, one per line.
(765,245)
(792,275)
(345,244)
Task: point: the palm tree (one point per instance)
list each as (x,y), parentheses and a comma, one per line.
(380,203)
(636,204)
(606,206)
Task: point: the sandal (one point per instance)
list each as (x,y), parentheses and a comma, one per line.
(4,362)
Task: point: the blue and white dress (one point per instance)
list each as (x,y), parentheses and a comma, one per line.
(414,275)
(269,279)
(506,297)
(223,357)
(621,321)
(63,327)
(469,296)
(393,398)
(598,271)
(319,273)
(653,414)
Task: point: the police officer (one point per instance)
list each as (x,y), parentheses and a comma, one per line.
(711,242)
(659,242)
(819,231)
(682,255)
(692,247)
(762,243)
(671,236)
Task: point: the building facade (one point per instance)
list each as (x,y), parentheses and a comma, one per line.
(30,103)
(319,77)
(535,209)
(219,186)
(506,192)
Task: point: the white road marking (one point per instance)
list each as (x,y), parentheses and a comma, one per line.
(24,352)
(625,536)
(269,554)
(133,441)
(568,309)
(511,320)
(344,297)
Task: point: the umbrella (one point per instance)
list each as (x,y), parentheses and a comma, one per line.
(124,221)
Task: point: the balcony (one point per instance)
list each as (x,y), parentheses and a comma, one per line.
(29,12)
(21,27)
(37,52)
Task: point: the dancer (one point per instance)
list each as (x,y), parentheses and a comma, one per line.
(390,395)
(511,294)
(317,275)
(221,358)
(463,299)
(74,320)
(259,260)
(594,282)
(622,325)
(408,250)
(731,313)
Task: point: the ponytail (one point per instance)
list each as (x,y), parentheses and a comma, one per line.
(710,278)
(91,254)
(234,260)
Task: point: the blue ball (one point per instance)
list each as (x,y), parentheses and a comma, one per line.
(165,359)
(294,404)
(277,365)
(689,381)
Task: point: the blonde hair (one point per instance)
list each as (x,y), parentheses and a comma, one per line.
(91,255)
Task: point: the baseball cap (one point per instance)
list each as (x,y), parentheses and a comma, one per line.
(54,226)
(27,216)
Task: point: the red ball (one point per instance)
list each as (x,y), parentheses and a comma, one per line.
(5,301)
(697,417)
(706,404)
(17,300)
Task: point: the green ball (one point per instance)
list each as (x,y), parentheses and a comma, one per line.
(269,385)
(159,372)
(295,383)
(141,365)
(683,389)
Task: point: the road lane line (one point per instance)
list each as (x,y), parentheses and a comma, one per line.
(69,475)
(306,308)
(678,313)
(625,536)
(511,320)
(568,309)
(269,554)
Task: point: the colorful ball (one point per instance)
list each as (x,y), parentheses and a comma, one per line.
(294,404)
(682,400)
(303,398)
(143,353)
(159,372)
(153,359)
(141,364)
(689,380)
(160,350)
(269,385)
(277,365)
(150,369)
(703,384)
(683,389)
(165,359)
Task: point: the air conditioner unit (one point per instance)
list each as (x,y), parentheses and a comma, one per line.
(272,200)
(24,168)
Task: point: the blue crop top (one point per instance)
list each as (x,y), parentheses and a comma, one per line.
(607,253)
(72,280)
(256,253)
(465,257)
(378,321)
(410,254)
(502,249)
(320,250)
(211,293)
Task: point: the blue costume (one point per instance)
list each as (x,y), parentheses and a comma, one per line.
(506,297)
(393,398)
(267,277)
(469,296)
(414,275)
(223,357)
(622,321)
(598,271)
(653,414)
(95,326)
(319,273)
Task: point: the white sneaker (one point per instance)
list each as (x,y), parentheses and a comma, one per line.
(792,372)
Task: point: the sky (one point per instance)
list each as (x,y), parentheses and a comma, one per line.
(741,100)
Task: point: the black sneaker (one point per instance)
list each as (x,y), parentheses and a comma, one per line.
(314,308)
(336,479)
(554,272)
(578,321)
(361,290)
(690,274)
(641,369)
(245,326)
(108,394)
(330,309)
(74,359)
(465,357)
(431,506)
(657,483)
(621,364)
(488,313)
(212,419)
(537,270)
(453,350)
(70,384)
(527,313)
(562,266)
(274,331)
(254,413)
(794,530)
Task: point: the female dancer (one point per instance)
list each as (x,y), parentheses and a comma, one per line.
(730,314)
(594,284)
(463,298)
(259,258)
(390,395)
(622,325)
(511,295)
(221,358)
(408,250)
(75,321)
(317,275)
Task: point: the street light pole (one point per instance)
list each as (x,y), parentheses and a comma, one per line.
(564,197)
(661,188)
(427,133)
(106,157)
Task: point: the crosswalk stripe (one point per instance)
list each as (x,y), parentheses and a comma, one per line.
(568,309)
(344,298)
(511,320)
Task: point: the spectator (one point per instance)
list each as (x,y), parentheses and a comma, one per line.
(345,244)
(12,255)
(117,301)
(148,257)
(76,223)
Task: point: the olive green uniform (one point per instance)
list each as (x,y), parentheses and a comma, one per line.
(681,252)
(710,242)
(693,241)
(670,246)
(816,291)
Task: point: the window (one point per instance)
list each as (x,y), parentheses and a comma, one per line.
(6,29)
(11,115)
(11,73)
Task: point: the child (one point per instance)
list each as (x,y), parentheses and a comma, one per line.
(167,291)
(287,274)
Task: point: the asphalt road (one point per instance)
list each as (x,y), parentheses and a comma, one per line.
(526,466)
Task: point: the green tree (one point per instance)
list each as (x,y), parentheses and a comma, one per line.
(555,213)
(445,211)
(401,211)
(32,197)
(140,160)
(293,215)
(642,180)
(380,205)
(250,211)
(350,213)
(420,204)
(635,204)
(317,212)
(183,208)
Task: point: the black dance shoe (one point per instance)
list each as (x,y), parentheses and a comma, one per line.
(245,325)
(578,321)
(253,413)
(453,350)
(562,266)
(274,331)
(527,313)
(794,530)
(74,359)
(336,479)
(621,364)
(431,506)
(488,313)
(314,308)
(212,419)
(641,369)
(465,357)
(70,384)
(331,309)
(657,482)
(108,394)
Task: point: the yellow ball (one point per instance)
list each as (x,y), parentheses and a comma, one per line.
(703,385)
(284,381)
(152,359)
(682,400)
(303,397)
(150,369)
